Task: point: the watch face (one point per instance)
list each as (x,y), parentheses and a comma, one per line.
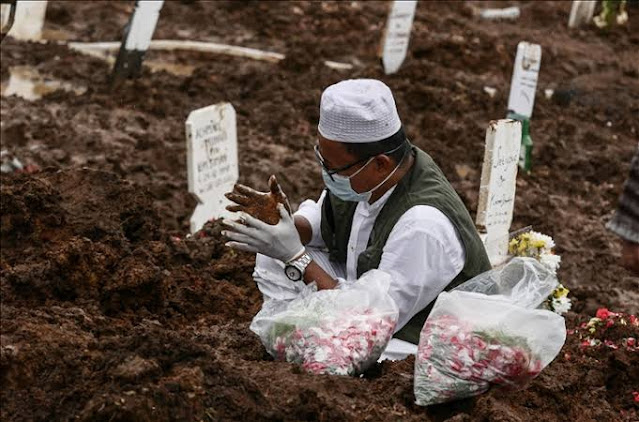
(293,273)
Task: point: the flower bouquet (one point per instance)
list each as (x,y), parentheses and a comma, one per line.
(339,332)
(487,332)
(536,245)
(541,247)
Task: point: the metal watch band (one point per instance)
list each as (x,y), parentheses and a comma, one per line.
(299,266)
(302,262)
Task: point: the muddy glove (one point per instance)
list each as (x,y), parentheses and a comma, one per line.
(262,205)
(280,241)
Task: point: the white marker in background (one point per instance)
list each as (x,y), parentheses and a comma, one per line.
(505,13)
(28,20)
(497,187)
(581,13)
(7,17)
(212,161)
(524,81)
(397,34)
(522,95)
(137,37)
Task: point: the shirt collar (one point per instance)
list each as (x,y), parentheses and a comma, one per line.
(369,209)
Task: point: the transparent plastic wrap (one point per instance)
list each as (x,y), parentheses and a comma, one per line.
(524,281)
(483,337)
(340,332)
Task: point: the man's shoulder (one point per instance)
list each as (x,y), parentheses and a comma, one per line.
(426,220)
(423,225)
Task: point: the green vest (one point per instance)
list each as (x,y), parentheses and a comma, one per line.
(424,184)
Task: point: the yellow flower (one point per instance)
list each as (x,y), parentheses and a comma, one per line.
(593,321)
(560,292)
(512,246)
(522,248)
(539,244)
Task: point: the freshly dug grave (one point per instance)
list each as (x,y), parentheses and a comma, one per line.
(110,313)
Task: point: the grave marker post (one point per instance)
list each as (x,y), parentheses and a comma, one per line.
(212,161)
(522,95)
(581,13)
(497,187)
(27,20)
(136,39)
(7,17)
(397,34)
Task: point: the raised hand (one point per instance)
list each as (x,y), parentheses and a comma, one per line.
(280,241)
(261,205)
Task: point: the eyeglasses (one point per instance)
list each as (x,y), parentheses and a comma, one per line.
(331,172)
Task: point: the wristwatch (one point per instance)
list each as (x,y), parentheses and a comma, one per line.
(295,268)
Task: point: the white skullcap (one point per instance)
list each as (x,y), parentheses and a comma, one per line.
(358,111)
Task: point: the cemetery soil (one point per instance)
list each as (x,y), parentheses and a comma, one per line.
(110,312)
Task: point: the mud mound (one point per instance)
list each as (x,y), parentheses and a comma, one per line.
(88,235)
(78,364)
(91,288)
(75,228)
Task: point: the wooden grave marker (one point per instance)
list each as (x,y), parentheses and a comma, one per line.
(521,99)
(136,39)
(524,80)
(212,161)
(581,13)
(7,17)
(504,13)
(497,187)
(397,34)
(28,19)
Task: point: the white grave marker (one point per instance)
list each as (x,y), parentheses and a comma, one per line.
(524,81)
(28,20)
(506,13)
(497,187)
(211,150)
(397,34)
(7,17)
(581,13)
(137,37)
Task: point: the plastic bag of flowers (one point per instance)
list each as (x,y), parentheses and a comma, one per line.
(342,331)
(488,336)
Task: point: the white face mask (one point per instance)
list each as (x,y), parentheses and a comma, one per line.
(340,186)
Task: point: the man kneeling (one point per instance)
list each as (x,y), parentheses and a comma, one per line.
(386,206)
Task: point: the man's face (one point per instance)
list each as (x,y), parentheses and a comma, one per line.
(369,174)
(630,256)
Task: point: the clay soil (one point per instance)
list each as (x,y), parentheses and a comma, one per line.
(110,313)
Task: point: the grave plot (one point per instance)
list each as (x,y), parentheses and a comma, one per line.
(109,310)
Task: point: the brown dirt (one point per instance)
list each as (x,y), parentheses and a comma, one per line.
(109,313)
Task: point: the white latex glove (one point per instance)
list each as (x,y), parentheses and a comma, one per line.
(280,241)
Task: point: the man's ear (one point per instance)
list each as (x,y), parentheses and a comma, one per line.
(383,162)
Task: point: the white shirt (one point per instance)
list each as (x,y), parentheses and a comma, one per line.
(423,253)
